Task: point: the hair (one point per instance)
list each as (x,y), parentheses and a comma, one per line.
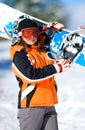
(22,43)
(42,43)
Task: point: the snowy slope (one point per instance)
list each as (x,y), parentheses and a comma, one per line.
(71,92)
(8,91)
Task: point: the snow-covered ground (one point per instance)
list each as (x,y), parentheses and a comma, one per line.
(8,90)
(71,92)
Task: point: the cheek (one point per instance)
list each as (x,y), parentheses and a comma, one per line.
(30,41)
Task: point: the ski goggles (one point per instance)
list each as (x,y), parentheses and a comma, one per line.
(30,32)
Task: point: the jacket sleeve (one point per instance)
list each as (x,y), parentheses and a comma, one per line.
(23,67)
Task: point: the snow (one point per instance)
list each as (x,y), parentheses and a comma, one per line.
(71,93)
(8,91)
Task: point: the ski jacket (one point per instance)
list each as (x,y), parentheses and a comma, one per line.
(34,72)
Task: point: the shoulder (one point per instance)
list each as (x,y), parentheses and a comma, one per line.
(20,55)
(15,49)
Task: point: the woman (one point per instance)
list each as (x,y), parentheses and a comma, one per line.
(35,68)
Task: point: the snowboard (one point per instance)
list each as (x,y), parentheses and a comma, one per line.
(64,43)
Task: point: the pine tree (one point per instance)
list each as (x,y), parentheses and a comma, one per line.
(44,10)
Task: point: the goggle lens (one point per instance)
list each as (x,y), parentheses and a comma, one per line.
(30,32)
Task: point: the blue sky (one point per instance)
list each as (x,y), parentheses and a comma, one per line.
(10,2)
(72,1)
(75,10)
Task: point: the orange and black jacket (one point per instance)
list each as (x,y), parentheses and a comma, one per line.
(34,72)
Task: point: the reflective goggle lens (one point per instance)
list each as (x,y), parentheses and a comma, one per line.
(30,32)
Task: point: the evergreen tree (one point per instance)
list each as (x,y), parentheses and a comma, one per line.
(51,10)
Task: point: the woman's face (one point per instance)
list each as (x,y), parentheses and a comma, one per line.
(30,35)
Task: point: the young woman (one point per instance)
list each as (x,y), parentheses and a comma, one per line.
(35,69)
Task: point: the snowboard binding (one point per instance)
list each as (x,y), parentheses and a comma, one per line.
(72,46)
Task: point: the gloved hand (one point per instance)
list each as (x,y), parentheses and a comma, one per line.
(52,27)
(57,25)
(62,65)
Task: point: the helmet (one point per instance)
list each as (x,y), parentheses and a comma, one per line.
(25,22)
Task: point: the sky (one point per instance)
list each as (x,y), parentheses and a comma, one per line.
(75,10)
(73,1)
(10,2)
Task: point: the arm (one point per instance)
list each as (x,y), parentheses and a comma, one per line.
(23,67)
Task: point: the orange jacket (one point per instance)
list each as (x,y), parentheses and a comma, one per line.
(34,71)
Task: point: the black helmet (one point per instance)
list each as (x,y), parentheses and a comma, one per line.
(25,22)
